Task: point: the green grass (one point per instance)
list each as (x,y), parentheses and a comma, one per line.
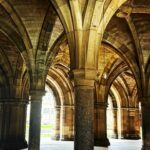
(47,126)
(46,135)
(44,126)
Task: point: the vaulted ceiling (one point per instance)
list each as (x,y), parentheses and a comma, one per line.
(31,30)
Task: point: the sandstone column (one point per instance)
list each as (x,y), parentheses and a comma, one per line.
(35,119)
(84,114)
(12,124)
(146,122)
(56,135)
(101,125)
(124,122)
(115,112)
(130,123)
(134,124)
(67,123)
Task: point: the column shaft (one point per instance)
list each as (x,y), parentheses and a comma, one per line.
(56,135)
(84,117)
(35,120)
(67,123)
(130,123)
(124,122)
(146,123)
(12,125)
(101,125)
(115,111)
(134,124)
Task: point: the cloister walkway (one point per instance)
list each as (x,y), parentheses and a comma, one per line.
(115,145)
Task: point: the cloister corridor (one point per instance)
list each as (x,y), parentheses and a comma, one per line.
(115,145)
(74,74)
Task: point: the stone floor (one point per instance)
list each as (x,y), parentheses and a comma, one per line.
(115,145)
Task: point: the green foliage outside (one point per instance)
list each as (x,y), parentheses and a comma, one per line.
(46,130)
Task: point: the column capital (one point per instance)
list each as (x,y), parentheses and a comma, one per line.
(63,106)
(130,108)
(67,106)
(84,82)
(37,92)
(89,74)
(84,77)
(13,101)
(57,107)
(35,95)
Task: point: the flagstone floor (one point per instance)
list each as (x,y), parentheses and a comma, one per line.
(115,145)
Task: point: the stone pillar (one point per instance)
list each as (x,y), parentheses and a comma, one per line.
(100,138)
(12,124)
(35,119)
(134,124)
(146,122)
(124,122)
(67,122)
(115,112)
(56,135)
(84,114)
(130,123)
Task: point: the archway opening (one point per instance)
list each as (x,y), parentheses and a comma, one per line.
(48,116)
(112,131)
(123,116)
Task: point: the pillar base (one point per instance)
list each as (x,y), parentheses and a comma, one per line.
(145,147)
(132,137)
(102,142)
(56,137)
(115,136)
(67,139)
(13,145)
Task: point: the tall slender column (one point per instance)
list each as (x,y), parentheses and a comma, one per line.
(130,123)
(56,135)
(12,124)
(134,125)
(100,125)
(67,123)
(84,114)
(124,122)
(115,112)
(35,119)
(146,122)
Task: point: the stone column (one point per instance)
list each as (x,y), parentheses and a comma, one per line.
(101,125)
(115,112)
(56,135)
(130,123)
(67,123)
(124,122)
(13,124)
(134,124)
(146,122)
(35,119)
(84,114)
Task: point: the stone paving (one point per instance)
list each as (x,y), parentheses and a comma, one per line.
(115,145)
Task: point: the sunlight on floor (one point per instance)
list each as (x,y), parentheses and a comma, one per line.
(115,145)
